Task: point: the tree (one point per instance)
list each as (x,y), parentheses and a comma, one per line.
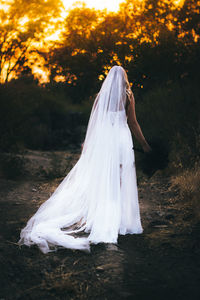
(144,37)
(23,24)
(74,59)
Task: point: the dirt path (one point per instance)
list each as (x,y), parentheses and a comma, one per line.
(161,263)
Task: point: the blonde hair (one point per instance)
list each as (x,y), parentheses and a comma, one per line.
(128,87)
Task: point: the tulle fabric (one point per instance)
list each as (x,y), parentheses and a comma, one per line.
(99,195)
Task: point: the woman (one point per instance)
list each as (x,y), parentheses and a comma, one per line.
(99,195)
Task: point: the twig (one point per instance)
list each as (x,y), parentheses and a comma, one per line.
(12,243)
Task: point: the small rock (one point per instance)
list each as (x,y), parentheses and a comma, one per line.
(160,213)
(100,269)
(112,247)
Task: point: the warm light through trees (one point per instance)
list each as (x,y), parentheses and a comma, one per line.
(35,38)
(24,25)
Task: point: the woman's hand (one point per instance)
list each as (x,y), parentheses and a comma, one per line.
(146,148)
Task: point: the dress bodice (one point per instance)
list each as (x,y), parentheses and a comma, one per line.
(119,115)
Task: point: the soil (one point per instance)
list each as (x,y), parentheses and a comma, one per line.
(162,263)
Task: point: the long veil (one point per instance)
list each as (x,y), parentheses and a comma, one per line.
(88,199)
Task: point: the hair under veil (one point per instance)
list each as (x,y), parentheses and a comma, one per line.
(89,197)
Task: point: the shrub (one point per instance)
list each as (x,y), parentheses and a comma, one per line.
(170,114)
(12,166)
(37,117)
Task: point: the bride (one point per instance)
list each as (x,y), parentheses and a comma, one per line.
(99,195)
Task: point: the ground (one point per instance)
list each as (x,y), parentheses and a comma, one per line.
(162,263)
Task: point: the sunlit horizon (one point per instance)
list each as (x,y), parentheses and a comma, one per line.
(97,4)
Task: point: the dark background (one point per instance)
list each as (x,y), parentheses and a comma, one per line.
(42,126)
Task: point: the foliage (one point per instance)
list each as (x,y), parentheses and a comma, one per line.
(170,114)
(38,118)
(22,25)
(138,37)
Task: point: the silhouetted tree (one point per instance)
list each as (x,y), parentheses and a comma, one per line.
(22,25)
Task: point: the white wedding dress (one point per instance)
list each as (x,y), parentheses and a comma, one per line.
(99,195)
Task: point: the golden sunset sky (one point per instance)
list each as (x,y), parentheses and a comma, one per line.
(111,5)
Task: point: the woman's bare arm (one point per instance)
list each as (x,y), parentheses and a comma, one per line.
(134,125)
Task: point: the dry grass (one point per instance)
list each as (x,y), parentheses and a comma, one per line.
(188,183)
